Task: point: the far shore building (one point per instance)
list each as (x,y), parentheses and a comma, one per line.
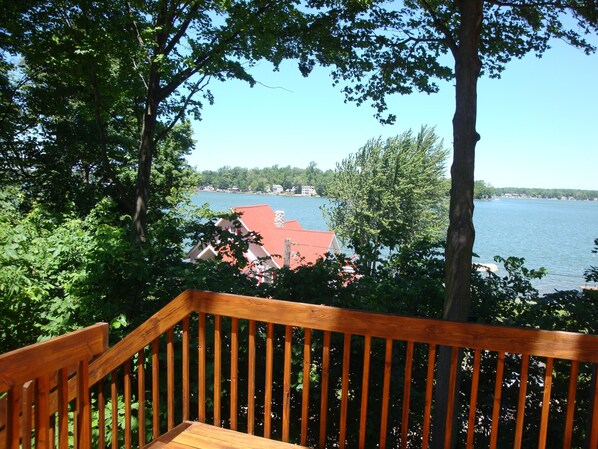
(279,238)
(308,191)
(277,188)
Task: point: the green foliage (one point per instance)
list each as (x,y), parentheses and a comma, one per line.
(389,194)
(59,274)
(261,179)
(591,274)
(485,191)
(392,48)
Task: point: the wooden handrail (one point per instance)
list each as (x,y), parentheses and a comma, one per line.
(415,335)
(156,325)
(21,365)
(557,344)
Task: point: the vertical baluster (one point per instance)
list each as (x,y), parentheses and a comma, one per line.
(521,402)
(127,397)
(500,365)
(84,406)
(170,377)
(114,399)
(365,384)
(101,417)
(217,369)
(428,399)
(186,386)
(13,403)
(345,390)
(286,384)
(201,369)
(324,391)
(27,418)
(268,381)
(141,396)
(52,440)
(448,428)
(570,404)
(63,410)
(594,426)
(156,388)
(306,378)
(42,430)
(385,393)
(546,403)
(251,379)
(473,398)
(406,394)
(234,371)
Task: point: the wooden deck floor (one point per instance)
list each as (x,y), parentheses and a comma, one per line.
(194,435)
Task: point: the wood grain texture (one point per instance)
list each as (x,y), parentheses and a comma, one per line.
(186,393)
(428,399)
(194,435)
(234,372)
(500,367)
(406,394)
(251,378)
(556,344)
(545,403)
(42,430)
(521,402)
(473,399)
(170,378)
(155,388)
(344,390)
(46,357)
(268,380)
(448,428)
(151,329)
(201,369)
(365,388)
(324,389)
(571,394)
(306,381)
(286,384)
(127,397)
(141,396)
(385,393)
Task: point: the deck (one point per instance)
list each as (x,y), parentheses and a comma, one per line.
(195,435)
(231,370)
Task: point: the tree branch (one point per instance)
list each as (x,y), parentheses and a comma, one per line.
(442,28)
(198,86)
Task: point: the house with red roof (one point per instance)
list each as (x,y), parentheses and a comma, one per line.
(283,243)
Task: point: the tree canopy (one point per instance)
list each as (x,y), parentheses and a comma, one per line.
(393,47)
(390,194)
(96,89)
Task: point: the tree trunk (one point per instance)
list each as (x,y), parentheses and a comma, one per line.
(146,153)
(461,234)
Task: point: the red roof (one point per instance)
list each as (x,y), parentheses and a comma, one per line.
(306,246)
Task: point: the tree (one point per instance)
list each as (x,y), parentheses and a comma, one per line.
(132,71)
(400,48)
(389,194)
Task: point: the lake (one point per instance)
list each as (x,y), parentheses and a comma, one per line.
(556,235)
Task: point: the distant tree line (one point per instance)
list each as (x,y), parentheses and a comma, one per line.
(261,179)
(485,191)
(292,178)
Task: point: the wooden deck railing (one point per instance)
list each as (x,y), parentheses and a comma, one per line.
(30,376)
(326,377)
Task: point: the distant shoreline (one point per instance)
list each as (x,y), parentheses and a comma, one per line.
(490,198)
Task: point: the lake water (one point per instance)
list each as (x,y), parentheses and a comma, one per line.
(557,235)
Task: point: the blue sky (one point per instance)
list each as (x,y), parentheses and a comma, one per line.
(539,122)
